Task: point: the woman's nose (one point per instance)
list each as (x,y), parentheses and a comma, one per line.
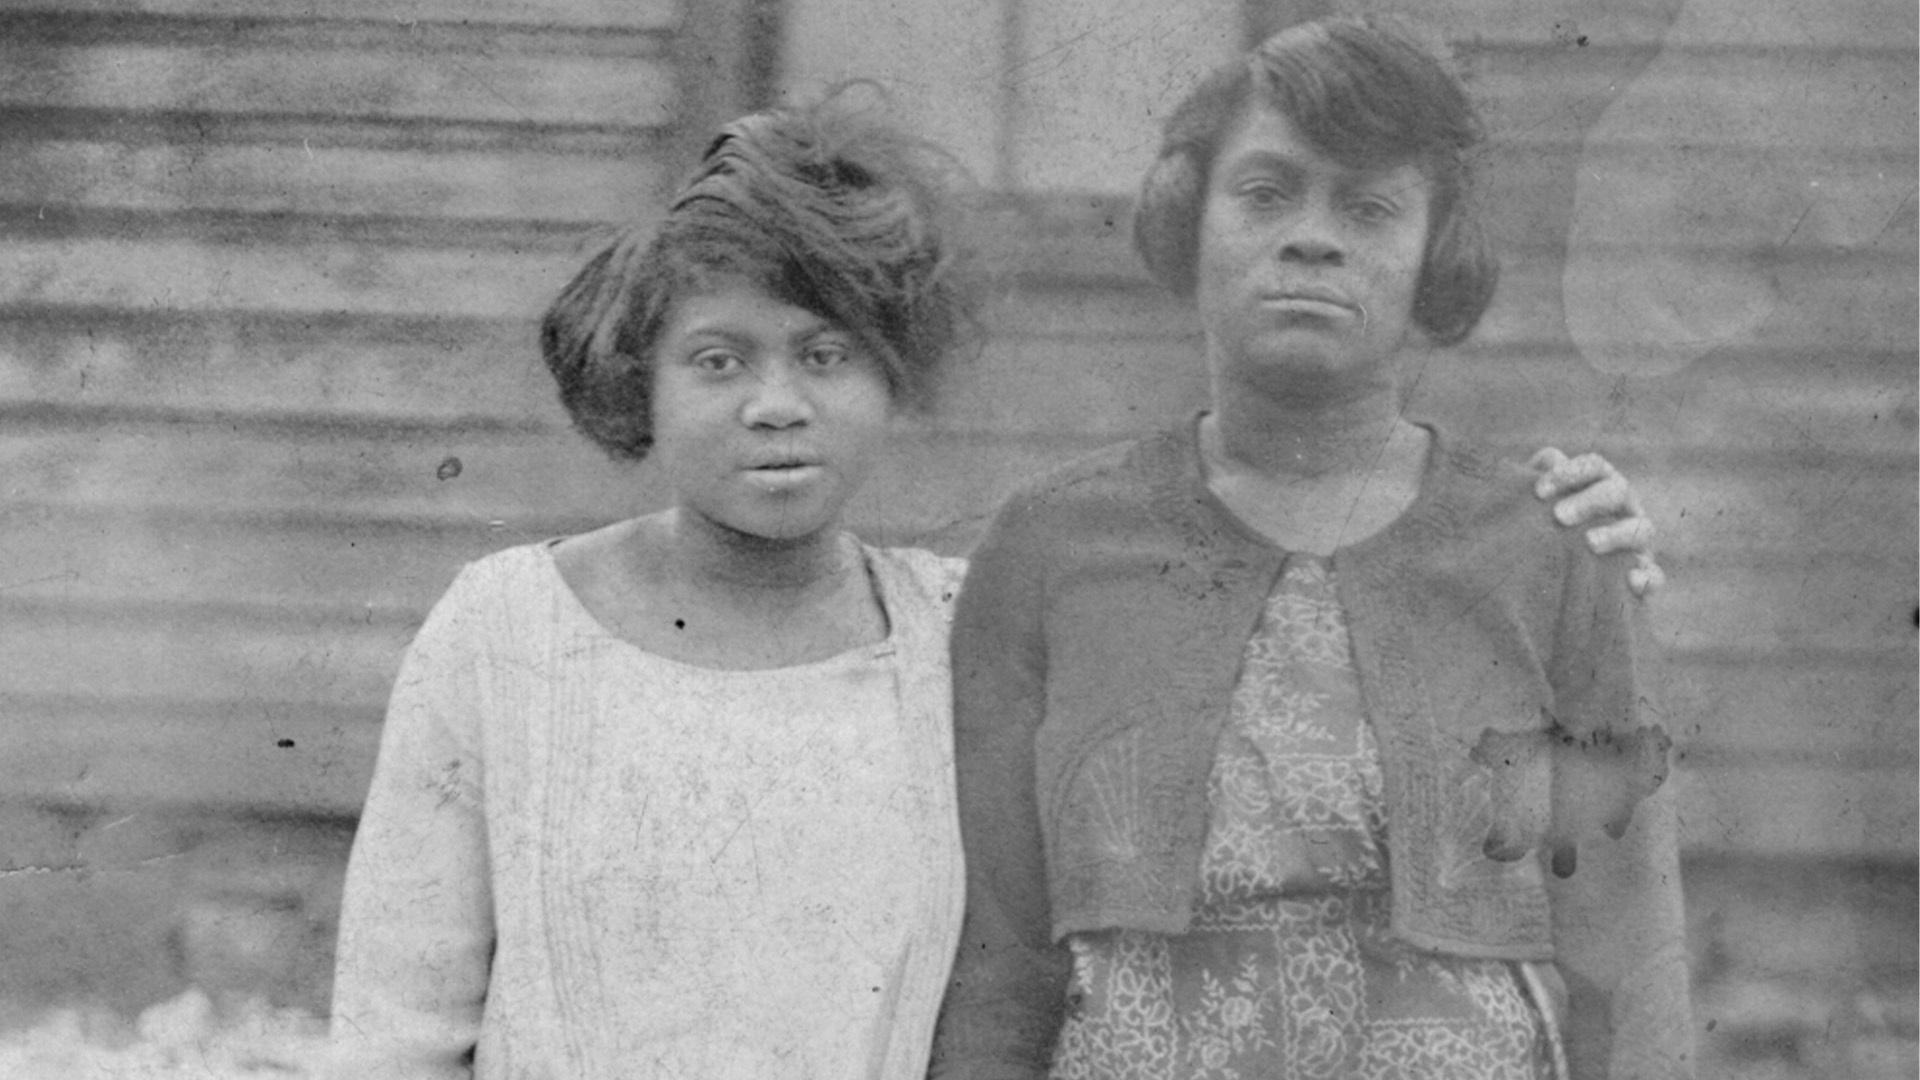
(1313,239)
(777,398)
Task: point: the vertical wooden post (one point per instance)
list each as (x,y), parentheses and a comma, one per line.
(726,59)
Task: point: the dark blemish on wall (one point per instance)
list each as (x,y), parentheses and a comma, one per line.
(1569,34)
(679,624)
(285,744)
(449,468)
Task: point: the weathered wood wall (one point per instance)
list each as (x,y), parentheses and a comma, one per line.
(268,271)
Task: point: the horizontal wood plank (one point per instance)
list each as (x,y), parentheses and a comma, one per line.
(1681,193)
(1864,303)
(1474,24)
(331,180)
(256,756)
(620,14)
(411,372)
(1817,506)
(1819,604)
(1803,809)
(316,279)
(1809,99)
(406,85)
(1571,26)
(186,561)
(1852,710)
(117,653)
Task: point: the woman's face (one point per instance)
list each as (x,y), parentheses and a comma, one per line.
(766,417)
(1307,269)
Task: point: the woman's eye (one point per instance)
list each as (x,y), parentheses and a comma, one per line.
(1264,195)
(1371,210)
(825,355)
(716,361)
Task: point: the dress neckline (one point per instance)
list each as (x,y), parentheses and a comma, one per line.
(859,654)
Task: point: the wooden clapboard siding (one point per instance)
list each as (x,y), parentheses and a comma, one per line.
(595,15)
(263,756)
(1844,98)
(269,268)
(1780,464)
(261,259)
(361,370)
(297,178)
(1553,27)
(344,80)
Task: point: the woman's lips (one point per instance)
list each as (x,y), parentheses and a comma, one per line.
(784,474)
(1311,302)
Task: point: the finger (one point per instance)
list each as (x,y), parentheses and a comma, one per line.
(1571,474)
(1633,534)
(1546,462)
(1605,498)
(1646,578)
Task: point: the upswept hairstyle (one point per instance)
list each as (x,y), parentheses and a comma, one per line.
(1365,93)
(825,209)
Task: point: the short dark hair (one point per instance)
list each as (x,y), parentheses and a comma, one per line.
(1365,93)
(826,209)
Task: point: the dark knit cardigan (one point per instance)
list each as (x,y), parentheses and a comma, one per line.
(1096,646)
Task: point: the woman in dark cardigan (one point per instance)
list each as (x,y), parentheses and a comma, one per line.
(1299,742)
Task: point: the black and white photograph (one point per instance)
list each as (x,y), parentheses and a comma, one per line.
(1029,540)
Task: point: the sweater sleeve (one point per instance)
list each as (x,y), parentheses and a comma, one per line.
(1619,929)
(1003,1007)
(416,922)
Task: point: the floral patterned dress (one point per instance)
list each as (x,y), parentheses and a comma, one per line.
(1288,971)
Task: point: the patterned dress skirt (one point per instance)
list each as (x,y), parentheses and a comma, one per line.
(1288,971)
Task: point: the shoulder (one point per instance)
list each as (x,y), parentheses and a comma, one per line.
(918,565)
(485,591)
(918,574)
(1487,491)
(1486,500)
(1092,492)
(510,573)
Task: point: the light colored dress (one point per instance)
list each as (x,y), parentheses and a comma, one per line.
(1289,971)
(581,859)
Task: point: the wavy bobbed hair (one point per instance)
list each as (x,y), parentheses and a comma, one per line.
(824,208)
(1365,93)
